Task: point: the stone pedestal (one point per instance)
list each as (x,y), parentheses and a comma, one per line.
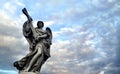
(23,72)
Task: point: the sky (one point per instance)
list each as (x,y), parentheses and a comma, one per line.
(85,35)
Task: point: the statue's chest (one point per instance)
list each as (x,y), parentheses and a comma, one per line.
(40,32)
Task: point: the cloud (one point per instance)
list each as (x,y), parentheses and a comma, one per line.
(10,36)
(89,45)
(48,23)
(8,5)
(102,72)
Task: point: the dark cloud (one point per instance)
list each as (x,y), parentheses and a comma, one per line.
(10,45)
(116,64)
(6,30)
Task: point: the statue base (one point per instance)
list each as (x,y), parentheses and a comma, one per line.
(23,72)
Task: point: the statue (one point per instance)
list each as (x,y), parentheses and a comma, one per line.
(39,46)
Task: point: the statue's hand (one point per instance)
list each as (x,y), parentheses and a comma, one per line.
(37,38)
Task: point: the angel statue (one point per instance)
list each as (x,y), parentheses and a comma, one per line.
(39,46)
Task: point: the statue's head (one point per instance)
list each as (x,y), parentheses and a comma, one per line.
(40,24)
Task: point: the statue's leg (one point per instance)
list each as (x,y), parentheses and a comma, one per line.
(38,64)
(35,57)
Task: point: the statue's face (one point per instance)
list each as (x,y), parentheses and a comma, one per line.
(40,25)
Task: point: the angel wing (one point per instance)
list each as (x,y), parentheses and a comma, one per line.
(49,32)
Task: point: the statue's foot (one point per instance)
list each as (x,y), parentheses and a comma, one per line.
(15,64)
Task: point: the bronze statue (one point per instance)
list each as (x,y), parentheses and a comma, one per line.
(39,46)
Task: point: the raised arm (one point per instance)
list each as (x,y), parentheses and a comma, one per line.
(24,10)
